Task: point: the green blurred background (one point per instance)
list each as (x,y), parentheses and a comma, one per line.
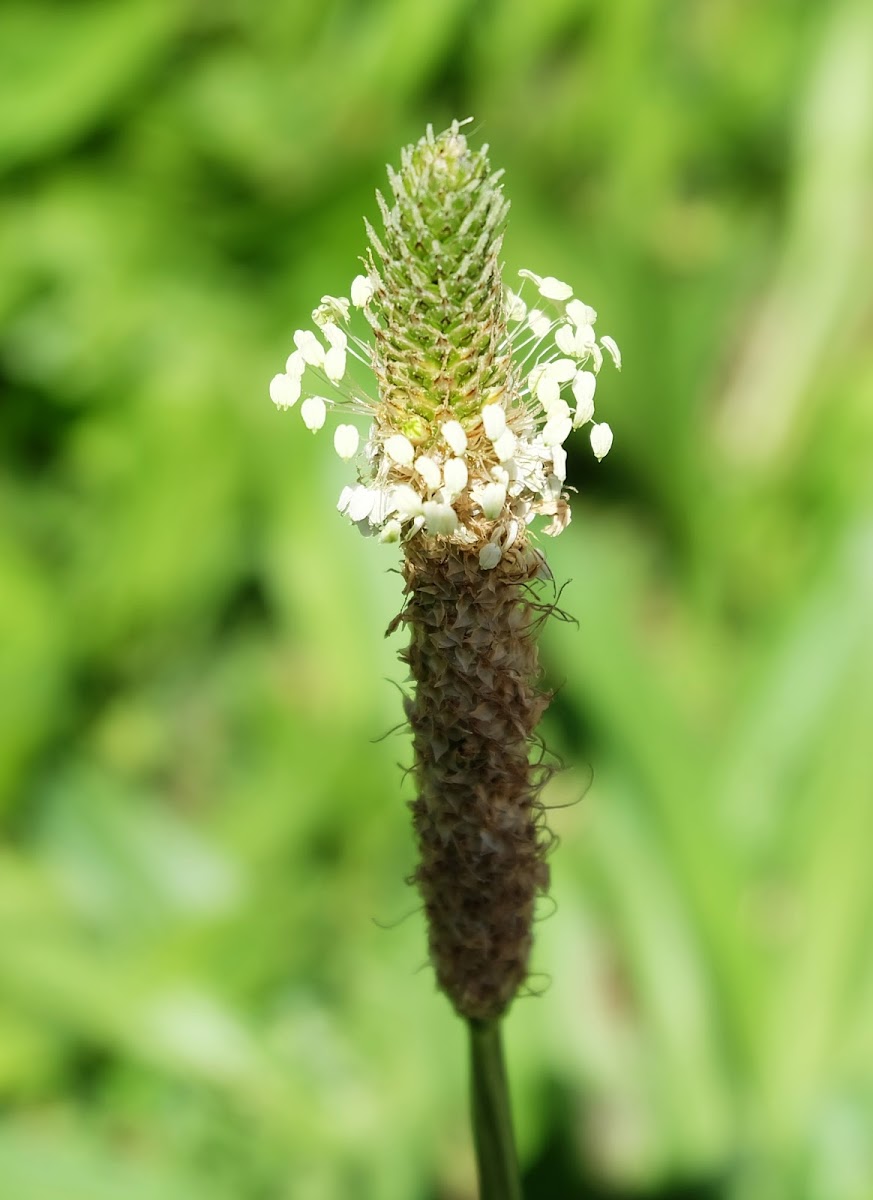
(211,970)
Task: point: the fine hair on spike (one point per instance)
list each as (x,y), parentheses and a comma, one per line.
(530,991)
(549,900)
(579,799)
(400,727)
(388,926)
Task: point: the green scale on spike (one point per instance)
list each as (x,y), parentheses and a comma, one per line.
(437,313)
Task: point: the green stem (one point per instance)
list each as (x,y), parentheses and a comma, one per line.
(496,1159)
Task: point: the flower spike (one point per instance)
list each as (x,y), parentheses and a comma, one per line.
(472,400)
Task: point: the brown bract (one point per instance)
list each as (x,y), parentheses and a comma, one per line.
(473,658)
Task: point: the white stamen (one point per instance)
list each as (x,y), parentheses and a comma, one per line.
(494,420)
(362,291)
(313,411)
(335,336)
(383,505)
(330,308)
(504,446)
(455,436)
(548,286)
(295,364)
(346,440)
(489,556)
(455,474)
(284,390)
(555,289)
(311,349)
(360,503)
(516,309)
(576,340)
(548,390)
(584,386)
(560,410)
(492,498)
(344,498)
(565,339)
(538,322)
(601,440)
(440,518)
(556,430)
(612,349)
(429,471)
(406,501)
(581,314)
(335,363)
(562,369)
(400,450)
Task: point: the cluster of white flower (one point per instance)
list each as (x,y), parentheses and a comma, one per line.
(477,481)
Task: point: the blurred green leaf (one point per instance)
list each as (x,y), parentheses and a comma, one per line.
(65,69)
(211,968)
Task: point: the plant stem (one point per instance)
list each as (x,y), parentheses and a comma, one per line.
(496,1159)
